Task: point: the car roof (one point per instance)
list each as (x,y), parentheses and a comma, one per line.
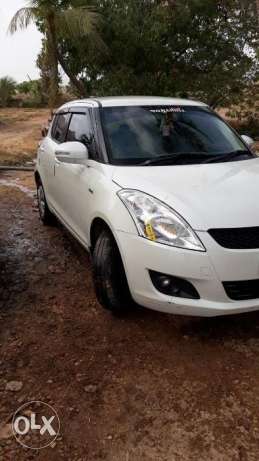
(116,101)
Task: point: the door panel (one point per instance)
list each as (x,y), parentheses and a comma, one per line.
(57,135)
(47,165)
(72,198)
(72,181)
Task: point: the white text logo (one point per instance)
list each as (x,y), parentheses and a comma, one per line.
(36,425)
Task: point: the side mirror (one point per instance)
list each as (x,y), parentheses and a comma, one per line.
(72,152)
(44,132)
(249,141)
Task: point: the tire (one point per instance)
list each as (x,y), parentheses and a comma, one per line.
(109,276)
(45,214)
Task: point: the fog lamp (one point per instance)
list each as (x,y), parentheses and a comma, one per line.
(173,286)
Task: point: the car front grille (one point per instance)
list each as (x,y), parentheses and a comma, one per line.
(243,238)
(242,290)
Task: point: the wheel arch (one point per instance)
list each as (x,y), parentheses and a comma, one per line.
(97,226)
(37,177)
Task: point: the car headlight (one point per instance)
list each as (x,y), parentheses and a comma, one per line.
(158,222)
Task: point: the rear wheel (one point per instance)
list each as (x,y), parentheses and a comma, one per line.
(109,276)
(45,214)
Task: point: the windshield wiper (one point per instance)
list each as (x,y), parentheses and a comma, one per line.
(228,157)
(172,159)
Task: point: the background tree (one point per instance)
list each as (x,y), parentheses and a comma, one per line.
(44,65)
(24,87)
(57,18)
(198,48)
(7,90)
(33,89)
(204,49)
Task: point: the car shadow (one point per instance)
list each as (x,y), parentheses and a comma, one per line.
(240,326)
(243,326)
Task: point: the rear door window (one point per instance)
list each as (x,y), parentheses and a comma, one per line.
(59,128)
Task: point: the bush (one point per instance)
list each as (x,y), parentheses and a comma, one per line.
(7,90)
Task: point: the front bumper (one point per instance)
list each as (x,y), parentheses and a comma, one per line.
(206,271)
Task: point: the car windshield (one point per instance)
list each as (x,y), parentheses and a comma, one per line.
(169,134)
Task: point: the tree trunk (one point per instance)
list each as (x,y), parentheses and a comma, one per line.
(73,78)
(58,58)
(53,61)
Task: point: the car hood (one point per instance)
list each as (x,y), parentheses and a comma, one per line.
(208,196)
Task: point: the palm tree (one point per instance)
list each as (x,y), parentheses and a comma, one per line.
(56,22)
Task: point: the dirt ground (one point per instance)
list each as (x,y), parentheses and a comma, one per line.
(20,132)
(149,387)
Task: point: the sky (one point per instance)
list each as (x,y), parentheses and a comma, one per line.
(18,52)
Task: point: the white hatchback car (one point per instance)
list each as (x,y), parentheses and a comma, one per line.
(164,194)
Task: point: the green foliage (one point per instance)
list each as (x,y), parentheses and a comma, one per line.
(197,48)
(36,97)
(246,113)
(57,20)
(204,49)
(44,65)
(26,87)
(7,90)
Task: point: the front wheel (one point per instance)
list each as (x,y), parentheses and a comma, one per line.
(109,276)
(45,214)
